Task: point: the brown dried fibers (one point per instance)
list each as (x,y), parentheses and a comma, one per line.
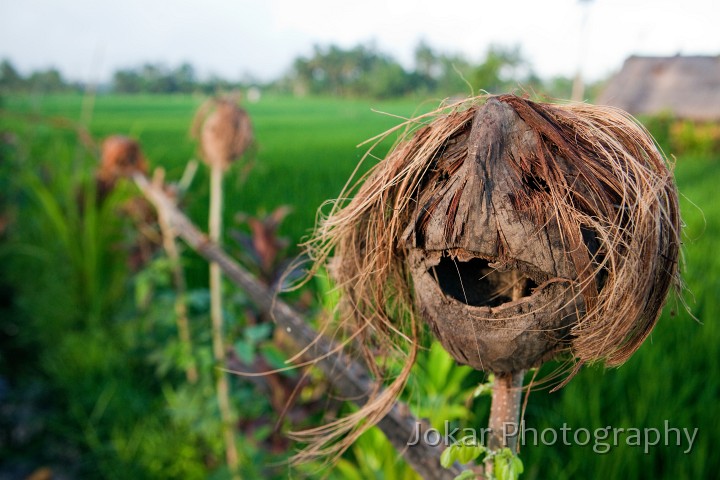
(585,169)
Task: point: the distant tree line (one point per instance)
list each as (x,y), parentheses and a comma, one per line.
(364,71)
(156,78)
(147,78)
(360,71)
(47,80)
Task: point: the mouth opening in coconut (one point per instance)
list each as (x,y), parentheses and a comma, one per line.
(474,282)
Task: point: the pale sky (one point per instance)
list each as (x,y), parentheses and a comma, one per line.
(88,39)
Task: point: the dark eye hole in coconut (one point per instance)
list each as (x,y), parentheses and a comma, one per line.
(477,284)
(535,183)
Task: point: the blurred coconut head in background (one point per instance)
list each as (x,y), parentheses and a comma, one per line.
(224,130)
(121,157)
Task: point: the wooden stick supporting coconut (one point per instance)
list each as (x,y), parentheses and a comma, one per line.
(505,411)
(181,317)
(504,420)
(216,315)
(225,133)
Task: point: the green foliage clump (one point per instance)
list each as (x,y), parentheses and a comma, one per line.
(693,138)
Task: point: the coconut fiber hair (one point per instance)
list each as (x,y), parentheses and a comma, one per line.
(588,174)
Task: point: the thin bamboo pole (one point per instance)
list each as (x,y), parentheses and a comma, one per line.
(216,315)
(181,317)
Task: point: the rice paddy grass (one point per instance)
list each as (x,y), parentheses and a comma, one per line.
(307,148)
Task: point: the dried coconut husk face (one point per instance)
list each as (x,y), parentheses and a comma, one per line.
(517,230)
(571,207)
(488,259)
(224,131)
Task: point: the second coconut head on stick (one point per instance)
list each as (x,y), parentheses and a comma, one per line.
(224,130)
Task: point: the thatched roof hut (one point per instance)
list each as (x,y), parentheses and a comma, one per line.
(686,86)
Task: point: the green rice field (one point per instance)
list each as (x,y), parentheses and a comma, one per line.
(84,372)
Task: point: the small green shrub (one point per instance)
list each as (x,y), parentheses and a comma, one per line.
(692,138)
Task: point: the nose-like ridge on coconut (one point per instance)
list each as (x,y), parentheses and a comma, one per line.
(476,208)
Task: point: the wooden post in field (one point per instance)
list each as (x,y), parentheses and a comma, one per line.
(225,133)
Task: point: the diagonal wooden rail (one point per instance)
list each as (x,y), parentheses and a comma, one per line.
(347,376)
